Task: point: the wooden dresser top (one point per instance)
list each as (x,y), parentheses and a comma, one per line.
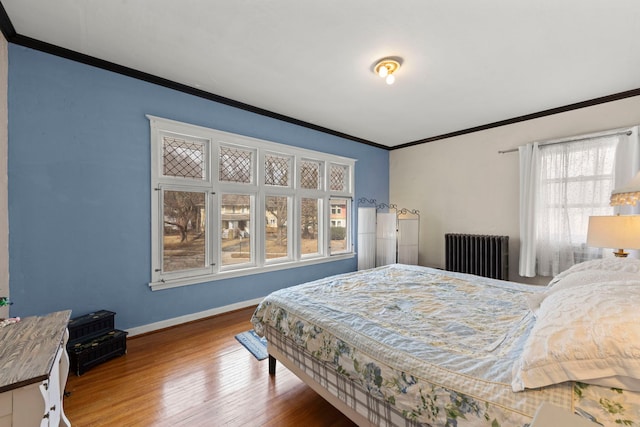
(28,349)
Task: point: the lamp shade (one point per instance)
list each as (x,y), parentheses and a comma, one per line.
(628,195)
(617,232)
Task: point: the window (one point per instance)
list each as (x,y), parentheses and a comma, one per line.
(563,183)
(183,247)
(340,239)
(277,238)
(310,226)
(576,180)
(236,164)
(236,244)
(225,205)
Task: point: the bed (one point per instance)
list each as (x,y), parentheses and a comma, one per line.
(407,345)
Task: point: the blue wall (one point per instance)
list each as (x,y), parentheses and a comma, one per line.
(79,191)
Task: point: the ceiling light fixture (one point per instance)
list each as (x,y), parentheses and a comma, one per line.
(386,67)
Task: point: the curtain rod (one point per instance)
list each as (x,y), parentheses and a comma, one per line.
(564,141)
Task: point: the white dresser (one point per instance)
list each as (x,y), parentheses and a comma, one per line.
(33,371)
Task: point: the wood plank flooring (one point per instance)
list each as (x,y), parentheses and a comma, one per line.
(194,375)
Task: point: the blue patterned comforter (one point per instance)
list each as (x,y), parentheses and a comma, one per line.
(438,346)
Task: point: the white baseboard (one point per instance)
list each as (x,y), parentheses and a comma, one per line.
(191,317)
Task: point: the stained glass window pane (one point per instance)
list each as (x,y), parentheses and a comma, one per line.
(310,174)
(182,158)
(277,170)
(339,178)
(236,165)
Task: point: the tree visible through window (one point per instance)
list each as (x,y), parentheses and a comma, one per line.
(184,230)
(276,235)
(309,220)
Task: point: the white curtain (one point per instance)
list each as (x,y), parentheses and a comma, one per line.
(576,180)
(561,185)
(366,238)
(529,172)
(627,166)
(386,239)
(408,237)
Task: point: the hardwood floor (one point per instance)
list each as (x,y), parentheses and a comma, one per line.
(195,374)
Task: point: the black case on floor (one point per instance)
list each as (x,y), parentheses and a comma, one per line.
(93,339)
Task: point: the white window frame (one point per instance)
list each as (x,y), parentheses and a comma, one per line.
(214,188)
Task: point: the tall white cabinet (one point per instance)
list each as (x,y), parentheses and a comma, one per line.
(33,371)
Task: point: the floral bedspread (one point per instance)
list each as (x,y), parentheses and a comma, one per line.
(438,346)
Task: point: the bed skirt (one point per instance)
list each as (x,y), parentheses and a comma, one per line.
(344,394)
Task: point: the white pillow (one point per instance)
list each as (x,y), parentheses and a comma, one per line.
(580,278)
(588,333)
(628,265)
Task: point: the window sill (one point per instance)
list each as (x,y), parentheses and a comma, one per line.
(157,286)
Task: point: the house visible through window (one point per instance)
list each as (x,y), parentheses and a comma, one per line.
(340,238)
(225,205)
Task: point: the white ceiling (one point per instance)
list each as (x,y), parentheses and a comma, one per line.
(466,63)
